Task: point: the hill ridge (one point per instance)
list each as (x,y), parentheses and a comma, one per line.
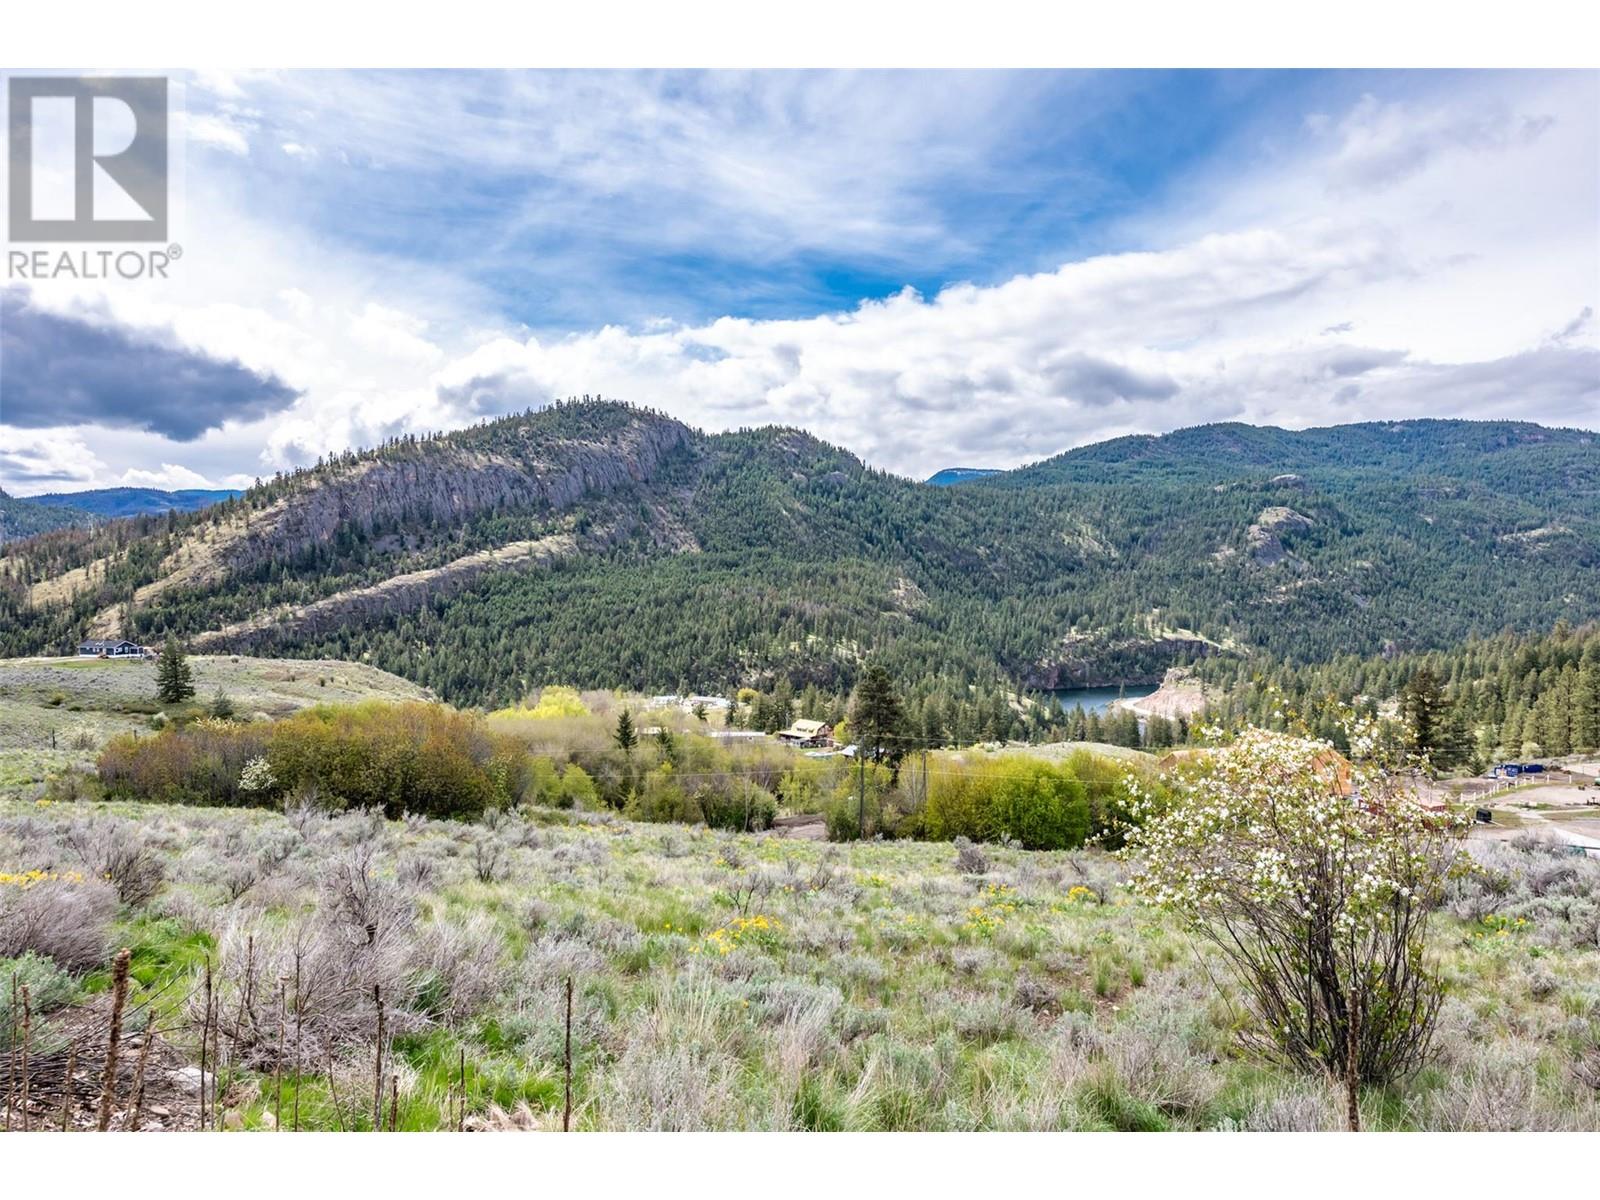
(608,545)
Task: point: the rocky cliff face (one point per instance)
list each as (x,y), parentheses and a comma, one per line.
(1264,539)
(1108,662)
(452,484)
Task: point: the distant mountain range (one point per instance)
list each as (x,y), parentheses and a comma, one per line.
(604,545)
(133,501)
(24,516)
(954,475)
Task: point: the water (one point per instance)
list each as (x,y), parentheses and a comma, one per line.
(1100,699)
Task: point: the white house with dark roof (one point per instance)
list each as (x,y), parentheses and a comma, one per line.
(110,648)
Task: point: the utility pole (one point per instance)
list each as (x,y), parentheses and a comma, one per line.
(861,792)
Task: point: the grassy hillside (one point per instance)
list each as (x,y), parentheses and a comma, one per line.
(482,562)
(57,713)
(729,981)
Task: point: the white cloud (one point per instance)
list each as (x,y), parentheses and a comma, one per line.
(171,477)
(217,130)
(1413,256)
(46,460)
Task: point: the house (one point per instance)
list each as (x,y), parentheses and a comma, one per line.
(110,648)
(709,702)
(806,733)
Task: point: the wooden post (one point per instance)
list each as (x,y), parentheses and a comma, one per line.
(297,1026)
(394,1103)
(119,997)
(205,1038)
(461,1118)
(138,1076)
(216,1061)
(27,1029)
(377,1069)
(11,1050)
(66,1092)
(277,1061)
(566,1111)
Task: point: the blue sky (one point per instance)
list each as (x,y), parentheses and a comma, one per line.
(1039,169)
(926,267)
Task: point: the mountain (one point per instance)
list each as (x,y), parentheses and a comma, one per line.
(132,501)
(954,475)
(20,517)
(604,545)
(1490,451)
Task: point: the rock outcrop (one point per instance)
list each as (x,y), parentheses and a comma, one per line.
(1264,539)
(1181,694)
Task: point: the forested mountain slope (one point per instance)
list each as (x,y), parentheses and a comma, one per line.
(600,544)
(20,518)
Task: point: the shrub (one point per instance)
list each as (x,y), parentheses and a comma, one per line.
(1041,805)
(845,809)
(577,789)
(969,859)
(1316,891)
(119,852)
(49,986)
(64,918)
(397,758)
(663,798)
(741,805)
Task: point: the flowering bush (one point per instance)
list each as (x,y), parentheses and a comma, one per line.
(257,776)
(1315,878)
(760,930)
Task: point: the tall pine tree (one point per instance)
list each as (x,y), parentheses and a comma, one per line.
(174,679)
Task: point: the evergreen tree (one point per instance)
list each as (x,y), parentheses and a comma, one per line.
(1586,702)
(625,737)
(1425,706)
(174,679)
(877,718)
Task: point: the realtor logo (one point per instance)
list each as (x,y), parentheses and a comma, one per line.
(88,159)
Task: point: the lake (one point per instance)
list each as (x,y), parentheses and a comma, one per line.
(1098,700)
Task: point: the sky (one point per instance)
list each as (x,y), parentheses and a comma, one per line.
(930,269)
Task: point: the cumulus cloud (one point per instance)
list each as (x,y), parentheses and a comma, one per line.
(171,477)
(40,461)
(61,369)
(1419,252)
(1119,343)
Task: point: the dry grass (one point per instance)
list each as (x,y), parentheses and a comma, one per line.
(730,981)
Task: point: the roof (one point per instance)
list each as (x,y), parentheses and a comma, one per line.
(805,730)
(106,643)
(1334,768)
